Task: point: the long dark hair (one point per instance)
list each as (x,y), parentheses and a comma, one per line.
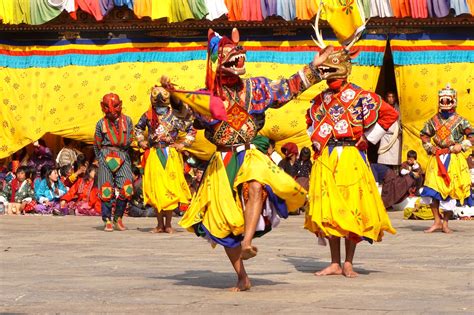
(305,154)
(87,175)
(47,171)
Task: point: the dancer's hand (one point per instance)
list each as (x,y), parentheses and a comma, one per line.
(166,83)
(362,144)
(178,146)
(321,57)
(143,144)
(456,148)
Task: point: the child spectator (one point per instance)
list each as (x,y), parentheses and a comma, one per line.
(411,168)
(303,168)
(17,194)
(64,172)
(137,206)
(196,180)
(288,164)
(48,192)
(79,167)
(81,198)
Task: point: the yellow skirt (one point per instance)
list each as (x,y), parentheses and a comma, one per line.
(343,196)
(458,171)
(165,188)
(214,204)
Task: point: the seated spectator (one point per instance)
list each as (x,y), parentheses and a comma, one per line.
(48,192)
(396,188)
(30,175)
(19,158)
(41,156)
(36,178)
(82,197)
(411,168)
(18,196)
(64,172)
(77,170)
(137,206)
(303,168)
(288,164)
(196,179)
(68,154)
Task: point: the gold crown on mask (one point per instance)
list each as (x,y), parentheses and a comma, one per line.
(447,91)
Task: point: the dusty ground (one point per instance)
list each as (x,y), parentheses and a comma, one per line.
(68,265)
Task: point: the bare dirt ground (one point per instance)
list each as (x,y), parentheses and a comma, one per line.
(69,265)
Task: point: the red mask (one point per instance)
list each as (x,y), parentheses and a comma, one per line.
(111,106)
(336,84)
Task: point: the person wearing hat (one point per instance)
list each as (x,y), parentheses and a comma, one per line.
(288,164)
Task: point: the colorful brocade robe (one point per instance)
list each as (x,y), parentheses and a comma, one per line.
(246,103)
(165,128)
(117,134)
(446,132)
(346,114)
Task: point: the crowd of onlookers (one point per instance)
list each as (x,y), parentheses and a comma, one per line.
(66,184)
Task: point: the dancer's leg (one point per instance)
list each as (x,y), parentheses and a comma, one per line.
(252,212)
(243,281)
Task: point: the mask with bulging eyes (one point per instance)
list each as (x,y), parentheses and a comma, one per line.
(111,105)
(159,97)
(447,99)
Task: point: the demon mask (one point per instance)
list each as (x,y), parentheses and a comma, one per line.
(111,106)
(447,99)
(226,60)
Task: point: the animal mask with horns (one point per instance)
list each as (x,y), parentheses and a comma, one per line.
(337,67)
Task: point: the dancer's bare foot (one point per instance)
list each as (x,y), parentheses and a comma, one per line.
(434,227)
(169,230)
(242,285)
(348,271)
(332,269)
(157,230)
(446,229)
(248,252)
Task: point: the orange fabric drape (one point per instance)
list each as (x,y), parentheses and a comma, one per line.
(235,9)
(401,8)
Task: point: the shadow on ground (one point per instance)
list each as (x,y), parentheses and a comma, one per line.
(215,280)
(311,265)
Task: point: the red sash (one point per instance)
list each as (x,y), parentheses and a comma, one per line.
(117,137)
(441,169)
(15,186)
